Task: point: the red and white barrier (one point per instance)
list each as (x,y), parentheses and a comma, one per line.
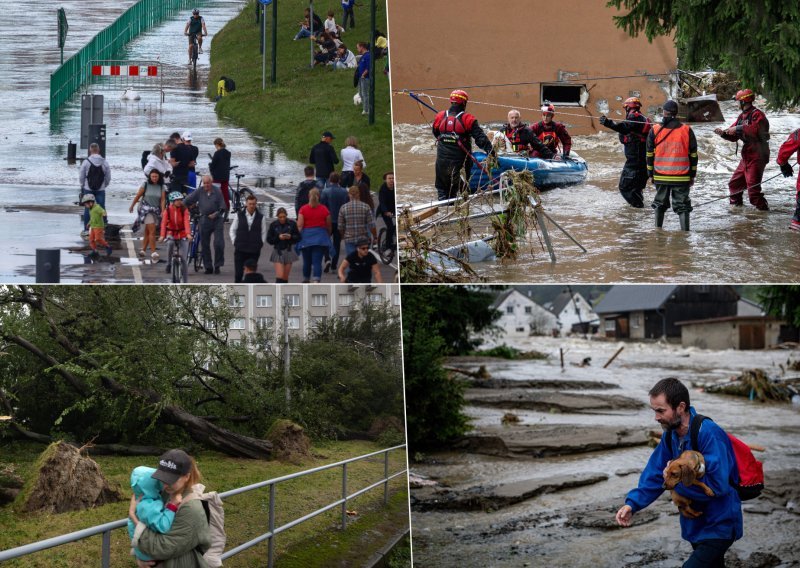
(125,70)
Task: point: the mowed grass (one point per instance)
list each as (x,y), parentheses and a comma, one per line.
(304,102)
(246,515)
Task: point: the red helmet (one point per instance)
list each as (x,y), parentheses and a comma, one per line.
(547,108)
(459,97)
(745,95)
(632,102)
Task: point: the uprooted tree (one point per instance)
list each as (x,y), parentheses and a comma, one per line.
(122,365)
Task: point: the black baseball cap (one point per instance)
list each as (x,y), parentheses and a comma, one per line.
(328,134)
(173,465)
(251,263)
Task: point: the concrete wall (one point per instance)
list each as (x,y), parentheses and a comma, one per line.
(724,335)
(473,42)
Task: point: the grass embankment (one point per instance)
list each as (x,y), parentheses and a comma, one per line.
(246,515)
(304,102)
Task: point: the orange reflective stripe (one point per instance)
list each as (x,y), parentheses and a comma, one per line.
(671,151)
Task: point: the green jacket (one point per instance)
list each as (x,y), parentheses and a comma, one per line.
(178,547)
(96,214)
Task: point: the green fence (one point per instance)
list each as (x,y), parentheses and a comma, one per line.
(138,18)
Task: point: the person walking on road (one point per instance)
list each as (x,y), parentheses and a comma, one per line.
(788,148)
(324,158)
(97,225)
(304,188)
(633,133)
(752,128)
(672,165)
(314,224)
(360,266)
(248,234)
(334,196)
(712,533)
(454,129)
(94,176)
(211,207)
(220,170)
(283,235)
(356,221)
(350,155)
(152,201)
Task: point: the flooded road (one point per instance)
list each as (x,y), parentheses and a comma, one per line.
(541,531)
(724,245)
(32,156)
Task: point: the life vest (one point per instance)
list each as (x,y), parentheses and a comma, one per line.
(671,154)
(453,128)
(636,136)
(514,136)
(747,118)
(549,137)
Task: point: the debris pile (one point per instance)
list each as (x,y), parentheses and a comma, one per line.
(755,384)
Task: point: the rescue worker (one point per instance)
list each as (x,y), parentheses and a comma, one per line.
(454,128)
(672,165)
(521,137)
(751,127)
(788,148)
(552,134)
(633,133)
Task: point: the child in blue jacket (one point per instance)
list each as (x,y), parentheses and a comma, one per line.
(150,508)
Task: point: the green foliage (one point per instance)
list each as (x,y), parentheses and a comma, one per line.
(782,302)
(305,101)
(758,41)
(504,351)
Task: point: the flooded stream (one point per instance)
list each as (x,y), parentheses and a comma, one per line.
(540,531)
(725,244)
(38,187)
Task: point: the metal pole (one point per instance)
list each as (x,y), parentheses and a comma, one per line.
(286,353)
(344,496)
(274,41)
(372,65)
(386,477)
(106,559)
(545,234)
(270,549)
(263,48)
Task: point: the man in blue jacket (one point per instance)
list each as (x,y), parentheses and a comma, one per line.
(720,524)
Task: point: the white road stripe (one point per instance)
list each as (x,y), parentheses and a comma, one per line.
(127,236)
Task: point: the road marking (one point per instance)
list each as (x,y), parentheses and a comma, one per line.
(128,238)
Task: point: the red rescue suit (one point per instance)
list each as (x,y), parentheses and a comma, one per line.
(752,127)
(518,136)
(786,151)
(551,134)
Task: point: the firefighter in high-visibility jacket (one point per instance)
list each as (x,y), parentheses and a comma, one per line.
(752,128)
(672,165)
(785,153)
(454,128)
(633,133)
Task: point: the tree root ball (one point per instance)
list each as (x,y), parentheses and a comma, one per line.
(68,481)
(289,441)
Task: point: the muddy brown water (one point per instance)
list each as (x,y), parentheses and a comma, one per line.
(571,526)
(725,245)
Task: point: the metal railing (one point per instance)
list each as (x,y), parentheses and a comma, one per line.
(105,529)
(143,15)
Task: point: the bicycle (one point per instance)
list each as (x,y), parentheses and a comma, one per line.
(195,256)
(177,261)
(194,51)
(239,195)
(386,247)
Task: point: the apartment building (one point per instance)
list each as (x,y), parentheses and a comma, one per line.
(260,305)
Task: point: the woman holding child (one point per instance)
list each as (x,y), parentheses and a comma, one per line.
(187,536)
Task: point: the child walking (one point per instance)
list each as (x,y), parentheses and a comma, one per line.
(97,225)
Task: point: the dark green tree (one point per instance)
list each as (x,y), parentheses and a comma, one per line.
(758,41)
(437,320)
(782,302)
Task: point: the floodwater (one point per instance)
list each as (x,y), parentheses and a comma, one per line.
(534,532)
(737,245)
(38,188)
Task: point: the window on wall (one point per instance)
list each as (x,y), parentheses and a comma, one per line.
(292,299)
(263,301)
(375,298)
(236,301)
(563,95)
(609,325)
(509,309)
(317,321)
(528,309)
(396,300)
(346,299)
(319,300)
(636,320)
(521,330)
(293,322)
(264,322)
(235,341)
(237,323)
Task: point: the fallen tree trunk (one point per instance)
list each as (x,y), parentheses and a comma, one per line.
(101,449)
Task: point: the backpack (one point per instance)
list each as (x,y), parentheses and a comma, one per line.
(95,176)
(230,84)
(145,155)
(215,515)
(751,471)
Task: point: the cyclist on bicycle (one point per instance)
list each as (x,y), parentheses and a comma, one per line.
(196,26)
(176,228)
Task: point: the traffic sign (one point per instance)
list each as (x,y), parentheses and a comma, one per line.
(265,2)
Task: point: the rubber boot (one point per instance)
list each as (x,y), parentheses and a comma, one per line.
(684,218)
(660,218)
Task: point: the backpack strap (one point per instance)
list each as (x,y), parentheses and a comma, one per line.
(694,430)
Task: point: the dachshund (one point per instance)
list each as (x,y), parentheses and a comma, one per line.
(688,468)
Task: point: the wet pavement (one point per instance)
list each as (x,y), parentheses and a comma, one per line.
(737,245)
(32,155)
(538,531)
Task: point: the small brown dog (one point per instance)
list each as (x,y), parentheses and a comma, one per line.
(688,468)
